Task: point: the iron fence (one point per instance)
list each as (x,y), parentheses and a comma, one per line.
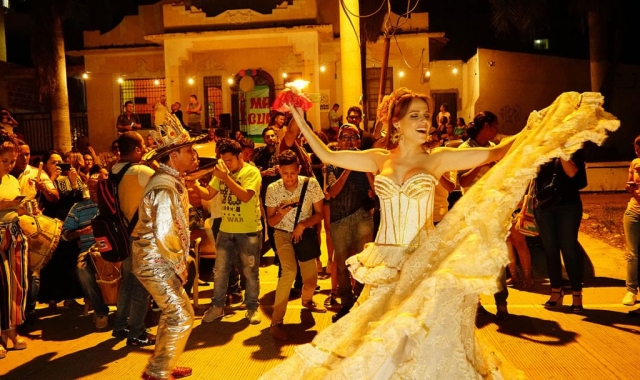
(37,130)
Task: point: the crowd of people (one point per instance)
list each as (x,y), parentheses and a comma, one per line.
(342,180)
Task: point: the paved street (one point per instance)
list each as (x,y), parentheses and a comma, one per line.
(601,343)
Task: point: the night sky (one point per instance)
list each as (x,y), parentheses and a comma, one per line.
(466,23)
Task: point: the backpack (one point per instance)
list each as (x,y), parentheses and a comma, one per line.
(111,229)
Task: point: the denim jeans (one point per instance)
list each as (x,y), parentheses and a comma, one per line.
(631,224)
(229,247)
(558,227)
(90,288)
(349,235)
(308,272)
(133,302)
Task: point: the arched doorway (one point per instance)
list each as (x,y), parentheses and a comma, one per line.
(250,101)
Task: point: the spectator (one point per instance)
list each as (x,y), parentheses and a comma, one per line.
(485,129)
(7,122)
(240,235)
(13,251)
(248,147)
(631,223)
(444,112)
(334,118)
(58,280)
(354,116)
(194,109)
(558,223)
(133,298)
(281,214)
(175,109)
(77,227)
(128,121)
(351,219)
(160,111)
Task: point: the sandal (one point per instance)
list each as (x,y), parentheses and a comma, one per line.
(577,307)
(528,281)
(556,298)
(19,343)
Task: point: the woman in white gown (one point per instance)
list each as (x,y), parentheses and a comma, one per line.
(416,316)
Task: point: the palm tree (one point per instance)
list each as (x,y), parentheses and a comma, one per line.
(48,54)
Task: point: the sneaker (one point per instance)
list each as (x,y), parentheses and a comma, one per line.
(629,299)
(179,372)
(310,305)
(120,334)
(102,321)
(331,301)
(144,339)
(213,313)
(254,317)
(277,332)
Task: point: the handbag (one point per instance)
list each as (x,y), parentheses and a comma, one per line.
(548,195)
(525,221)
(308,248)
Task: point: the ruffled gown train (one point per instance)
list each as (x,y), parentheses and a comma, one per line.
(416,316)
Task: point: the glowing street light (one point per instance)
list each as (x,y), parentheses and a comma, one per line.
(285,75)
(323,68)
(230,81)
(85,76)
(120,80)
(401,74)
(455,70)
(191,81)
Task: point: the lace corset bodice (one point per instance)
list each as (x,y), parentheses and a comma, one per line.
(404,209)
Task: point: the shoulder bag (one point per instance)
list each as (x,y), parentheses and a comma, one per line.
(525,221)
(548,194)
(308,248)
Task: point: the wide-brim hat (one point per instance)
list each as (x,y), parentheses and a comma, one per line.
(170,136)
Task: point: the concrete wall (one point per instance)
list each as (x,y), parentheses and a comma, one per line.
(176,17)
(512,85)
(103,89)
(607,176)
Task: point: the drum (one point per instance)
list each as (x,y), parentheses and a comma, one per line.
(43,235)
(108,276)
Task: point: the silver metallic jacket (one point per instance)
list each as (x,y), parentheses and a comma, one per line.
(161,236)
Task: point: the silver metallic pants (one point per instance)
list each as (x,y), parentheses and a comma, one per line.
(176,320)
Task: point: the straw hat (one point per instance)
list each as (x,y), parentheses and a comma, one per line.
(170,136)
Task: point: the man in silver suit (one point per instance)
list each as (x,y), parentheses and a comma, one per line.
(161,246)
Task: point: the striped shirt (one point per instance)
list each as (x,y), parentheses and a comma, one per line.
(79,217)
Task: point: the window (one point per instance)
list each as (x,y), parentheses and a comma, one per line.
(373,87)
(542,44)
(144,93)
(212,100)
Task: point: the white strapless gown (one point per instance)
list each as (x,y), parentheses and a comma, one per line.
(416,316)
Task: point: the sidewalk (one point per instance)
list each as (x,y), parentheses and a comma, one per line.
(600,343)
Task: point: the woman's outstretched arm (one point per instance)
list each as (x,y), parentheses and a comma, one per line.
(362,161)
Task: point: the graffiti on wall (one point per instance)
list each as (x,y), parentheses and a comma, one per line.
(510,115)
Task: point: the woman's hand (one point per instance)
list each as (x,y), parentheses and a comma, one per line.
(296,235)
(73,178)
(56,173)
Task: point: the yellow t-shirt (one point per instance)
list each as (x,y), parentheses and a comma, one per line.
(238,216)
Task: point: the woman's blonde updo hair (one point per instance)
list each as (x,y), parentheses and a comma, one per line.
(393,108)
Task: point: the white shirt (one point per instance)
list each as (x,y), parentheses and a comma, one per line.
(278,195)
(28,179)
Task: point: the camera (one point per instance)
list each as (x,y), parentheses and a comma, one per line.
(64,167)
